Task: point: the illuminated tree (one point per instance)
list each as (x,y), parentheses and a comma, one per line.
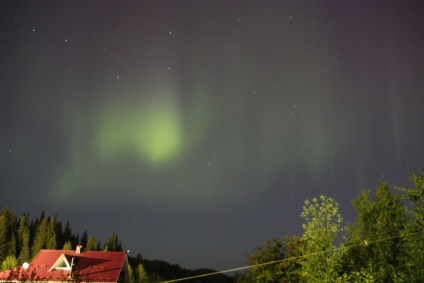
(92,244)
(141,275)
(4,241)
(67,246)
(374,242)
(23,240)
(321,227)
(45,237)
(412,257)
(113,244)
(9,262)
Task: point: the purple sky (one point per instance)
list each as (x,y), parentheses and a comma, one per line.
(197,129)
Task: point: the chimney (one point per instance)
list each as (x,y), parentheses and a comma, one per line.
(78,251)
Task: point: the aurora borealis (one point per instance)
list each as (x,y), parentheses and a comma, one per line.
(195,130)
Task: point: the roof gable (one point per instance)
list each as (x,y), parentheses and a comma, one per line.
(61,264)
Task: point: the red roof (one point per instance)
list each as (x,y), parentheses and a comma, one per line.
(54,265)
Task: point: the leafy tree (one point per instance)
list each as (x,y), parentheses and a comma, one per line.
(321,227)
(67,246)
(265,269)
(9,262)
(373,240)
(412,257)
(272,251)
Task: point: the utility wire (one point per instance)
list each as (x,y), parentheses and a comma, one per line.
(365,242)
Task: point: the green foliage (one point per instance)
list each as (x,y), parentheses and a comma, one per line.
(92,244)
(67,246)
(141,275)
(321,227)
(412,257)
(45,237)
(4,231)
(277,261)
(374,239)
(113,244)
(23,240)
(9,262)
(273,251)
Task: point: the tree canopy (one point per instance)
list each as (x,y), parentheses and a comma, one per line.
(384,244)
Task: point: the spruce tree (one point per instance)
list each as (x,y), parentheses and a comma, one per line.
(23,239)
(4,231)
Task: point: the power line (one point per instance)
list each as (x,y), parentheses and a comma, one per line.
(365,242)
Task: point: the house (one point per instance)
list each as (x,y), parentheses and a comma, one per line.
(65,265)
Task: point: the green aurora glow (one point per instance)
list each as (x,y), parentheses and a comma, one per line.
(152,131)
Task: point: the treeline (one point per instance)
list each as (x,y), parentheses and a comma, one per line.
(159,270)
(22,238)
(384,244)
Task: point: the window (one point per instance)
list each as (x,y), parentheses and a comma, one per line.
(61,264)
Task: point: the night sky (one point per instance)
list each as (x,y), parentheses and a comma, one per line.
(196,130)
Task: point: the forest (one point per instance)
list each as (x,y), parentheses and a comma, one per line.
(22,238)
(383,244)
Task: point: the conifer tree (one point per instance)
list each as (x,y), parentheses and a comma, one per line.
(113,244)
(45,237)
(23,239)
(51,234)
(84,239)
(92,244)
(12,244)
(141,275)
(4,241)
(67,233)
(12,233)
